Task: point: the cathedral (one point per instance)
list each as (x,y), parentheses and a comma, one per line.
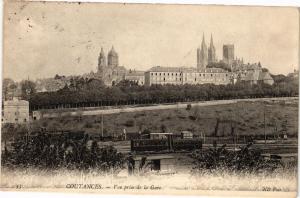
(206,55)
(109,71)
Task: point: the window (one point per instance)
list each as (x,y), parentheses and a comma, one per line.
(199,74)
(151,74)
(25,120)
(155,165)
(164,79)
(155,74)
(211,75)
(176,74)
(160,74)
(195,79)
(168,74)
(172,74)
(16,119)
(203,74)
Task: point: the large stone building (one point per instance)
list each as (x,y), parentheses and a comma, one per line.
(228,54)
(15,111)
(186,75)
(252,74)
(110,73)
(136,76)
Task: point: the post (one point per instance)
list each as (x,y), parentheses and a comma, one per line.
(102,125)
(265,123)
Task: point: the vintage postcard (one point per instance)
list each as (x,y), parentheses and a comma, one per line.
(150,99)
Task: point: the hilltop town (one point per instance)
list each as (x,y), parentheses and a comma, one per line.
(208,69)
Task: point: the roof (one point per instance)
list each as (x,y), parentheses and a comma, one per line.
(186,69)
(161,133)
(135,73)
(154,157)
(213,70)
(257,75)
(112,52)
(171,69)
(189,132)
(265,76)
(16,102)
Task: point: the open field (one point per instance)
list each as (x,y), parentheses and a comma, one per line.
(248,118)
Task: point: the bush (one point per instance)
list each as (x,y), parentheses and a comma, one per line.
(129,123)
(243,160)
(188,107)
(61,151)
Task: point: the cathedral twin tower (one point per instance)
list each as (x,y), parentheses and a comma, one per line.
(206,56)
(112,59)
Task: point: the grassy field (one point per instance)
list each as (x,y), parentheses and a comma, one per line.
(248,117)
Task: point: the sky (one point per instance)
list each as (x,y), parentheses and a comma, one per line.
(44,39)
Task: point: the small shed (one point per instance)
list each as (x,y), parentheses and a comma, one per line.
(155,163)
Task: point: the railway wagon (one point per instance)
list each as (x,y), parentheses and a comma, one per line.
(168,145)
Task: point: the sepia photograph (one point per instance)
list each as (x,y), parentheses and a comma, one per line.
(152,99)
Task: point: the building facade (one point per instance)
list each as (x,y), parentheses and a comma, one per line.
(186,75)
(15,111)
(136,76)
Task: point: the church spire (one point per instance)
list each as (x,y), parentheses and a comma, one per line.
(211,51)
(203,45)
(202,55)
(102,52)
(211,41)
(101,60)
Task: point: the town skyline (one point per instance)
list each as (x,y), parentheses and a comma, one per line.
(47,44)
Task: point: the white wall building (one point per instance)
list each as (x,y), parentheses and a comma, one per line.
(15,111)
(186,75)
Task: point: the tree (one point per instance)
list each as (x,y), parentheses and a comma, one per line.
(28,88)
(7,85)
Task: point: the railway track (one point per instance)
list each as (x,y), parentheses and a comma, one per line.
(274,148)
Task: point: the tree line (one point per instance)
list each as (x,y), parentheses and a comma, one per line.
(92,92)
(83,92)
